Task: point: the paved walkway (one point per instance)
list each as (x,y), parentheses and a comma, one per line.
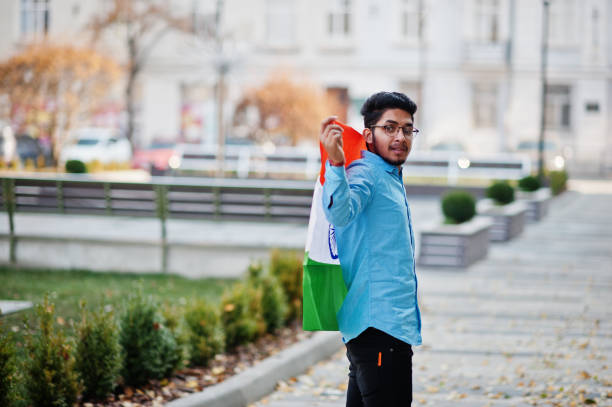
(530,325)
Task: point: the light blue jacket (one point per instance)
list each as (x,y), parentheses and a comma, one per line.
(367,205)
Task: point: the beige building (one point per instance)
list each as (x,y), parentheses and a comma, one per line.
(473,66)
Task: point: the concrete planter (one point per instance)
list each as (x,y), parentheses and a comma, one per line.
(537,202)
(508,220)
(455,245)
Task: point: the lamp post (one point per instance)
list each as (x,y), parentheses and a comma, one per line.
(222,68)
(544,61)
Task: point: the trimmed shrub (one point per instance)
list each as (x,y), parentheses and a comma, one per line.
(241,315)
(286,266)
(98,356)
(529,183)
(274,305)
(501,192)
(173,318)
(75,167)
(50,379)
(205,336)
(558,181)
(149,348)
(8,369)
(458,206)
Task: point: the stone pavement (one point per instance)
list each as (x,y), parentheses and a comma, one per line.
(530,325)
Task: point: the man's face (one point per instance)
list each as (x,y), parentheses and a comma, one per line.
(394,148)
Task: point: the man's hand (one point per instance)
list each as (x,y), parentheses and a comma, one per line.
(331,138)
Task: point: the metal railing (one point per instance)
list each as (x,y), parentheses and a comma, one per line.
(219,199)
(245,161)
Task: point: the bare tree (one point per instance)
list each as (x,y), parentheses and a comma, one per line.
(145,23)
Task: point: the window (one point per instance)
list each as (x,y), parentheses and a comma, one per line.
(339,19)
(34,17)
(485,105)
(338,100)
(487,21)
(280,22)
(410,13)
(558,107)
(204,18)
(562,23)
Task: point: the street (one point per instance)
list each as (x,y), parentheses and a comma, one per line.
(529,325)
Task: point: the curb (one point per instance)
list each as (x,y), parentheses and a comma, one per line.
(260,380)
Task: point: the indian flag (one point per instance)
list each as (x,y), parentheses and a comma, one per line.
(323,285)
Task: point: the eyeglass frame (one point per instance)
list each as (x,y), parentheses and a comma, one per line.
(412,133)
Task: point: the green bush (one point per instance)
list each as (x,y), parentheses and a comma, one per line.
(205,335)
(75,167)
(241,315)
(149,348)
(558,181)
(173,317)
(8,368)
(501,192)
(529,183)
(458,206)
(98,356)
(50,379)
(286,266)
(274,305)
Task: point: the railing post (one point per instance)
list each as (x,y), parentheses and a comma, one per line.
(8,190)
(267,203)
(60,196)
(108,200)
(161,199)
(217,200)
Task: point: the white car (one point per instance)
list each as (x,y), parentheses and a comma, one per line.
(97,143)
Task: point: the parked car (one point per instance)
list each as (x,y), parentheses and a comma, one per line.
(448,146)
(8,143)
(97,143)
(555,158)
(158,158)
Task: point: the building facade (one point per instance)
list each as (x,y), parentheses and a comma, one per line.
(473,66)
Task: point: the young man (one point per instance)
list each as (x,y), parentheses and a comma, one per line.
(379,319)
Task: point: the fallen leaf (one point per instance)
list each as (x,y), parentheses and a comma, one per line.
(217,370)
(583,374)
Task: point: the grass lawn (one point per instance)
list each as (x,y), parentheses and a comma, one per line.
(67,288)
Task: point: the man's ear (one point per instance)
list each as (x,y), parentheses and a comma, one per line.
(367,135)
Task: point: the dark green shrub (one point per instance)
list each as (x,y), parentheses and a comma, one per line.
(458,206)
(98,356)
(558,181)
(205,337)
(149,348)
(501,192)
(274,305)
(75,167)
(173,317)
(8,368)
(529,183)
(50,379)
(286,266)
(241,315)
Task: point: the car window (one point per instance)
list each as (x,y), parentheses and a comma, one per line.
(112,141)
(87,142)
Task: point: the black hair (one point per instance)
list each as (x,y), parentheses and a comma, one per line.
(378,103)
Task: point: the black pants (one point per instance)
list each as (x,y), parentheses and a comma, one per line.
(380,371)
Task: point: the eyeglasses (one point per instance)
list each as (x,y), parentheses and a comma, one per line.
(392,129)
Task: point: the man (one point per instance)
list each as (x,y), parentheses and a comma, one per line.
(379,318)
